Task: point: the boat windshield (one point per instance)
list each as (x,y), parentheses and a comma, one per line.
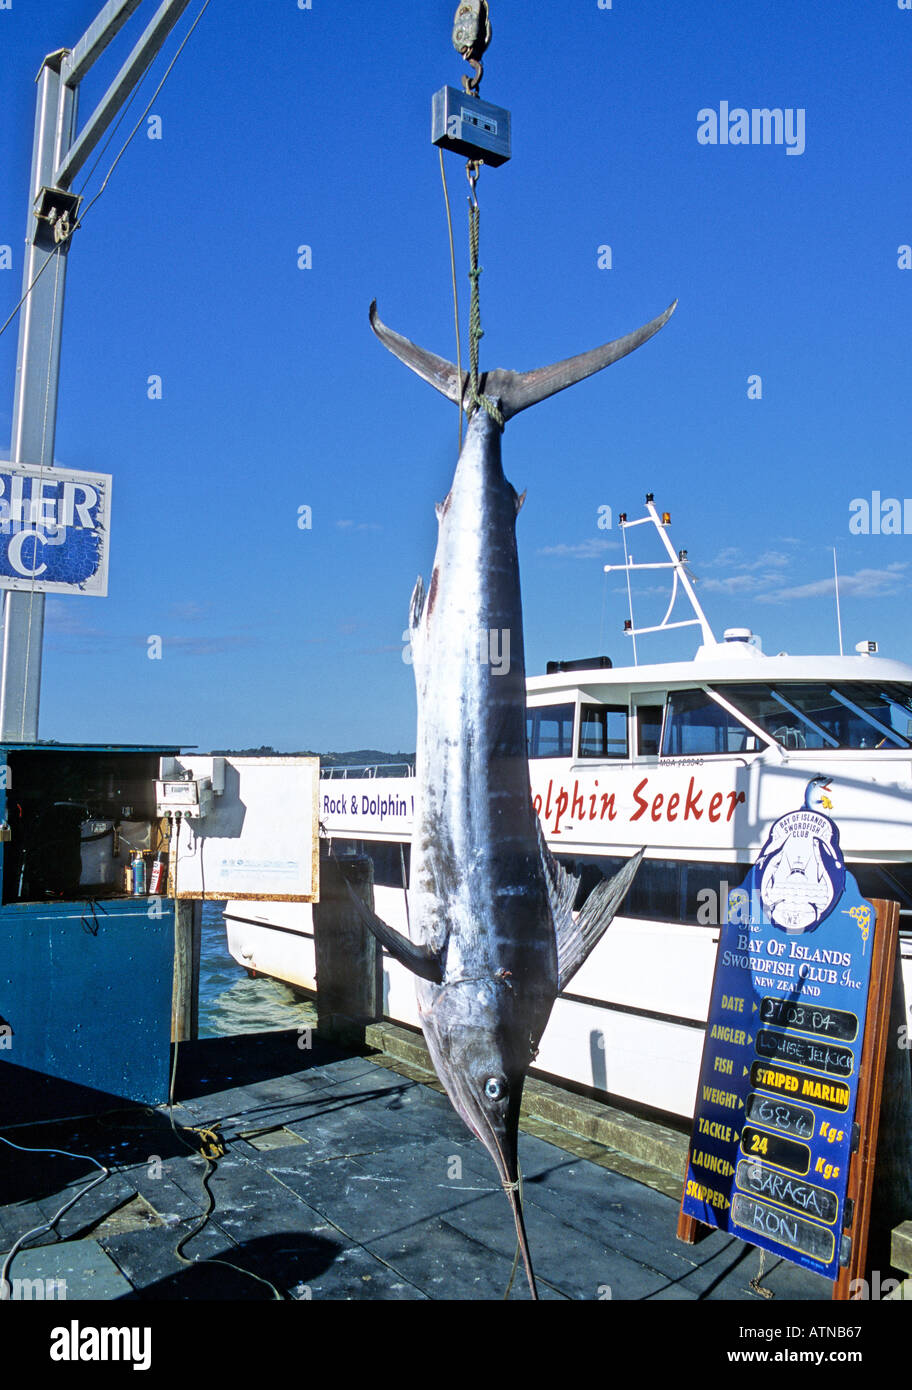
(848,714)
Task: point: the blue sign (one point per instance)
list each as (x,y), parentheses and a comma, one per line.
(54,529)
(773,1127)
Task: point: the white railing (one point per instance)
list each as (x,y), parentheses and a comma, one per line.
(367,770)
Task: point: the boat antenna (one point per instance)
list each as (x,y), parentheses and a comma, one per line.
(601,641)
(838,614)
(628,561)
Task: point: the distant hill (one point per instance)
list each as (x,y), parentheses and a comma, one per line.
(359,757)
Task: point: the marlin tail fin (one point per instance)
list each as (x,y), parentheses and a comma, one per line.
(516,391)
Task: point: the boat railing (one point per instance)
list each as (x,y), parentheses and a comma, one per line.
(367,770)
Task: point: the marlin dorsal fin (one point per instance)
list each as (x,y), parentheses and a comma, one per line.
(516,391)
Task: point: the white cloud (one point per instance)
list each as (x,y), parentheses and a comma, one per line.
(866,583)
(737,584)
(644,590)
(592,549)
(68,631)
(189,611)
(733,555)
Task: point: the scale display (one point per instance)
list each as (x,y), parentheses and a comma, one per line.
(54,530)
(773,1126)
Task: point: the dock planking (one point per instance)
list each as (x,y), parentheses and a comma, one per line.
(378,1194)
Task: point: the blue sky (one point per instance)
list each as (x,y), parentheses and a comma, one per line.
(283,127)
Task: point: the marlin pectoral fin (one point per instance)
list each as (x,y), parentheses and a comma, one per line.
(419,959)
(516,391)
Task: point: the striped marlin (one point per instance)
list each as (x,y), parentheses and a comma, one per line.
(492,934)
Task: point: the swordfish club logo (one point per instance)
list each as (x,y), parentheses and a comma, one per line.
(800,870)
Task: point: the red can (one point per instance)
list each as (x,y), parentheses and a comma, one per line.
(159,874)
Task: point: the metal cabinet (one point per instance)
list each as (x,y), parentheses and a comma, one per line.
(86,966)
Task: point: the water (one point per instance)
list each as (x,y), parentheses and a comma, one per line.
(229,1001)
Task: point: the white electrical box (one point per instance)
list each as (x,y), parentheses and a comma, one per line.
(248,827)
(190,797)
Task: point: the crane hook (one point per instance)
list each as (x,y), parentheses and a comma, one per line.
(471,36)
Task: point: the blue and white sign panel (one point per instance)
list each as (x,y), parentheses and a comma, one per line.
(54,529)
(773,1128)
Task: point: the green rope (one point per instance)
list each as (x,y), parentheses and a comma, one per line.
(476,333)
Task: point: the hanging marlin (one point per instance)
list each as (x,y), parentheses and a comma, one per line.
(493,935)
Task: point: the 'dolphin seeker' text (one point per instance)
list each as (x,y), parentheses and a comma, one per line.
(761,125)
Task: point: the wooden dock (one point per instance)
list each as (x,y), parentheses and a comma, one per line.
(342,1179)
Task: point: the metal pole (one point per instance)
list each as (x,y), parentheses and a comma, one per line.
(104,27)
(838,614)
(130,74)
(35,403)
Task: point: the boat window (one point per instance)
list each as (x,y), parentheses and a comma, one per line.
(888,881)
(649,729)
(603,733)
(696,724)
(849,714)
(664,890)
(391,859)
(549,731)
(888,707)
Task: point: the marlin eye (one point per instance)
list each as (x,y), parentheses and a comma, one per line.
(495,1088)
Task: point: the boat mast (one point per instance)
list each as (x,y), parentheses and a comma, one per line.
(677,563)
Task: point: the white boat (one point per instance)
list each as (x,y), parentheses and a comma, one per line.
(692,759)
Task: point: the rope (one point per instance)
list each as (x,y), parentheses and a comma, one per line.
(210,1146)
(446,198)
(45,264)
(513,1187)
(755,1282)
(476,332)
(48,1225)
